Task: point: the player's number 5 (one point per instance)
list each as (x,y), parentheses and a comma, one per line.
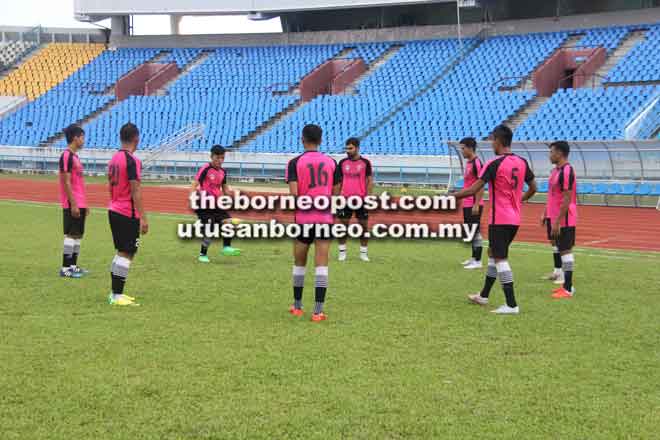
(514,177)
(317,177)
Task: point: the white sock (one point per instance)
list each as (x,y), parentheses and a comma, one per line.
(363,249)
(342,248)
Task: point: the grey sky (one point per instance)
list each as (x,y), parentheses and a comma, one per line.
(59,13)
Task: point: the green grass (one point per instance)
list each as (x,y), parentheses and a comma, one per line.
(212,354)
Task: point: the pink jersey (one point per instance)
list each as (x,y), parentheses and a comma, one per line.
(316,174)
(562,179)
(505,176)
(70,163)
(354,174)
(211,179)
(123,168)
(472,172)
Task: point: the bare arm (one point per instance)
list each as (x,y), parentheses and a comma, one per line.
(370,184)
(478,196)
(336,189)
(136,194)
(293,188)
(226,189)
(66,179)
(466,192)
(531,190)
(195,186)
(565,204)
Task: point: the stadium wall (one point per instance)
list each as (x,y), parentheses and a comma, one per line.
(643,16)
(53,34)
(232,156)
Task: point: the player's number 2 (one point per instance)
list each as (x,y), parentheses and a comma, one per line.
(317,177)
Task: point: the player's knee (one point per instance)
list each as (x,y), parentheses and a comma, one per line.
(128,255)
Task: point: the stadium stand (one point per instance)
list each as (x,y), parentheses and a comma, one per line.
(13,51)
(415,64)
(641,63)
(415,95)
(47,68)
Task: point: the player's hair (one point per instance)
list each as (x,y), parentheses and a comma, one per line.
(561,146)
(503,134)
(72,132)
(353,141)
(312,134)
(469,142)
(128,133)
(218,150)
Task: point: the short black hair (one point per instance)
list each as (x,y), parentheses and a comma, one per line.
(469,142)
(218,150)
(128,133)
(353,141)
(561,146)
(72,132)
(312,134)
(503,134)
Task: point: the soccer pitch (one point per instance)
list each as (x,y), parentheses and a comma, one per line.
(212,353)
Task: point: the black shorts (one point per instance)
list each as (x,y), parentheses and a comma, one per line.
(74,226)
(125,232)
(216,216)
(500,238)
(566,240)
(347,213)
(469,218)
(309,237)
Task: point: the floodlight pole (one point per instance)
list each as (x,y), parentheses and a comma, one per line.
(458,21)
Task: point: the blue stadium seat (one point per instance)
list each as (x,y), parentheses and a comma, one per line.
(643,189)
(613,189)
(629,189)
(585,188)
(600,188)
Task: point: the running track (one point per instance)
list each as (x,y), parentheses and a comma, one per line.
(599,226)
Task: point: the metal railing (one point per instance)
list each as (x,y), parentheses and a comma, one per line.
(179,139)
(163,168)
(593,77)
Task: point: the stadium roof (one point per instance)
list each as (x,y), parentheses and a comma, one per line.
(86,9)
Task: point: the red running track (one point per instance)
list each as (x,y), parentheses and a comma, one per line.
(599,226)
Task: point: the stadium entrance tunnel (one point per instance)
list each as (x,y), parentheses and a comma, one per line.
(331,78)
(568,68)
(145,80)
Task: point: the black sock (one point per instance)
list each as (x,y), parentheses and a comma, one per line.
(297,297)
(568,280)
(568,264)
(298,284)
(74,260)
(476,252)
(67,260)
(321,285)
(119,273)
(319,299)
(557,257)
(117,284)
(205,246)
(506,279)
(509,295)
(491,277)
(226,242)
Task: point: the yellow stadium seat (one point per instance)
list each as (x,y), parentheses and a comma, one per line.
(47,68)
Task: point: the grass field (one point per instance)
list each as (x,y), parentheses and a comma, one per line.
(212,354)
